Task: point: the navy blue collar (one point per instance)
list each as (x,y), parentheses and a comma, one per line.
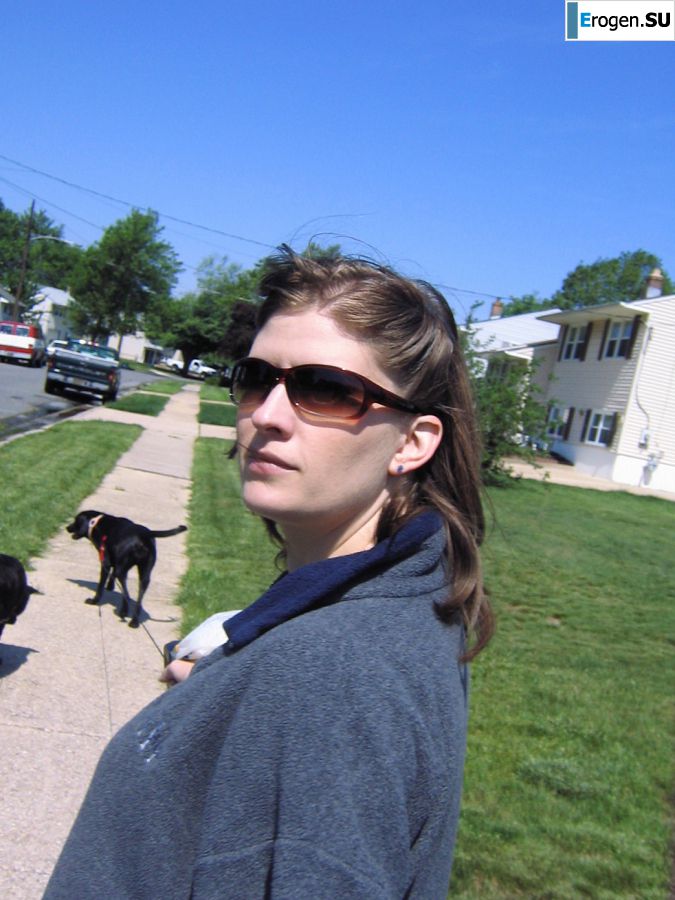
(321,583)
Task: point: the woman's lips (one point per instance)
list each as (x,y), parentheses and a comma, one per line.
(264,462)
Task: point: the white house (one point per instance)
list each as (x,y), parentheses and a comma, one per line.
(514,340)
(6,303)
(137,348)
(611,394)
(50,313)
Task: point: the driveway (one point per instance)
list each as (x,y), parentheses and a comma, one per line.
(561,473)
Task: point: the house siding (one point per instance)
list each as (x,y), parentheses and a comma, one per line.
(592,383)
(640,389)
(544,359)
(646,452)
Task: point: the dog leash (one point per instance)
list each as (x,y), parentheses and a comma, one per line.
(158,648)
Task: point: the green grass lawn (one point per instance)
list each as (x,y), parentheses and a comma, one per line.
(569,764)
(144,404)
(163,387)
(215,392)
(570,752)
(217,413)
(46,475)
(231,560)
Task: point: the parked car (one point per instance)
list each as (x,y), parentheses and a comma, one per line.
(84,368)
(22,342)
(54,345)
(199,369)
(176,365)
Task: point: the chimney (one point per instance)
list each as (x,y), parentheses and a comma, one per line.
(654,284)
(498,309)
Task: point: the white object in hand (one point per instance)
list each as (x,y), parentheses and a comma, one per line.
(204,638)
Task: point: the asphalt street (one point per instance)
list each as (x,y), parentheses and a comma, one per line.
(23,402)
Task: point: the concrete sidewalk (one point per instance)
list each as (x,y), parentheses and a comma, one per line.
(72,674)
(559,473)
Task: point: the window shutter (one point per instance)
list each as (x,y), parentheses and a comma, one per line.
(568,424)
(604,338)
(633,336)
(563,338)
(584,430)
(587,340)
(612,430)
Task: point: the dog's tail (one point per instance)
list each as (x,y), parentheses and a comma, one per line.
(170,532)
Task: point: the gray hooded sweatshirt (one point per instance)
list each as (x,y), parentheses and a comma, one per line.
(318,757)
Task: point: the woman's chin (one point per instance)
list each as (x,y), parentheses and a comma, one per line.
(260,503)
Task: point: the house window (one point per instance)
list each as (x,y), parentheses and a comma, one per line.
(557,419)
(498,368)
(574,342)
(600,428)
(618,339)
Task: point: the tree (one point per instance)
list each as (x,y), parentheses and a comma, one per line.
(526,303)
(240,331)
(197,323)
(510,414)
(33,252)
(620,279)
(616,280)
(120,276)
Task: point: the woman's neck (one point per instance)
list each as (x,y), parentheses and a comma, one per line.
(306,545)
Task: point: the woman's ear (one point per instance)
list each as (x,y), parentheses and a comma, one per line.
(419,444)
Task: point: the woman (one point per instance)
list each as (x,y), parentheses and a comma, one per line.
(319,753)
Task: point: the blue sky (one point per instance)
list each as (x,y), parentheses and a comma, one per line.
(465,143)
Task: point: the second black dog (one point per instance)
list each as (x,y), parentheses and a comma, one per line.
(14,590)
(121,544)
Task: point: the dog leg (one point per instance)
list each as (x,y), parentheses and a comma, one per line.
(125,608)
(111,581)
(143,582)
(123,611)
(99,590)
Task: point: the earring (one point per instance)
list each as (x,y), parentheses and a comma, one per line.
(399,470)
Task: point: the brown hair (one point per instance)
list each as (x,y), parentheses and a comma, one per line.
(413,335)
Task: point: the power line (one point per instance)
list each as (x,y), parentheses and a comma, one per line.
(221,233)
(49,203)
(79,187)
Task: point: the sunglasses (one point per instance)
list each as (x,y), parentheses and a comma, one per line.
(320,390)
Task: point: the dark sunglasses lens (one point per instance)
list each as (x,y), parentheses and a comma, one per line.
(326,392)
(251,382)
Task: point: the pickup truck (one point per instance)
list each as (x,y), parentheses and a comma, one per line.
(85,368)
(197,368)
(23,342)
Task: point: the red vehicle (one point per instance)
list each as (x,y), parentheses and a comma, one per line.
(23,342)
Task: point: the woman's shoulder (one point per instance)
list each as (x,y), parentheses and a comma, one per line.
(363,643)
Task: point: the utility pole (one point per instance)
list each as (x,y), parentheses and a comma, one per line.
(24,264)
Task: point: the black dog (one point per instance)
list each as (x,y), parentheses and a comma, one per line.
(121,545)
(14,590)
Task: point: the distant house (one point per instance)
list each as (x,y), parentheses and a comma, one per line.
(49,312)
(611,394)
(6,303)
(517,340)
(137,348)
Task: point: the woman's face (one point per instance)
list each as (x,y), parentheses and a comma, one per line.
(323,481)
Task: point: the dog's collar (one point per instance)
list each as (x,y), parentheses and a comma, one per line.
(92,524)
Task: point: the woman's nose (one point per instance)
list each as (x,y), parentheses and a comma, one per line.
(276,410)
